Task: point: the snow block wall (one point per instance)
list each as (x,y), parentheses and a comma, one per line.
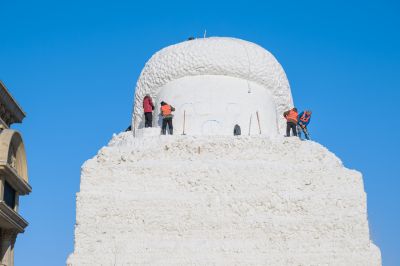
(185,200)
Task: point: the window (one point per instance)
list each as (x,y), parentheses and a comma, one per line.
(9,195)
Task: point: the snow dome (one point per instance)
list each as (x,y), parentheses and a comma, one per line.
(214,84)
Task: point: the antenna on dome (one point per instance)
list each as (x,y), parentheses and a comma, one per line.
(205,33)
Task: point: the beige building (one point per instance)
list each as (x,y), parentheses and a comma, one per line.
(13,176)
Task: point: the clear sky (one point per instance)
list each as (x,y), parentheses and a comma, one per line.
(73,65)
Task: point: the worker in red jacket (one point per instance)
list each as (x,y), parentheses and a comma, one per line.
(148,108)
(291,118)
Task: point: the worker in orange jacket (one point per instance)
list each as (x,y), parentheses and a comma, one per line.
(291,118)
(166,113)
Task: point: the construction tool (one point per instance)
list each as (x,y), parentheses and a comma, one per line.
(258,120)
(251,116)
(184,122)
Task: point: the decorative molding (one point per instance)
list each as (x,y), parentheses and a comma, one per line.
(10,111)
(12,218)
(12,177)
(12,153)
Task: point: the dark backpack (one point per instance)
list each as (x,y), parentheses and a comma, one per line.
(236,130)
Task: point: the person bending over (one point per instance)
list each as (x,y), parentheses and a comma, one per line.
(304,119)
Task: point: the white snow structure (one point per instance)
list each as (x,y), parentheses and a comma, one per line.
(219,199)
(217,83)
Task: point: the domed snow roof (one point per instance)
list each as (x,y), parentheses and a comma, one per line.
(214,56)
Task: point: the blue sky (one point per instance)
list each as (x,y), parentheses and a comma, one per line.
(73,65)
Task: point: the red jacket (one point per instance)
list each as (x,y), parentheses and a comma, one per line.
(148,104)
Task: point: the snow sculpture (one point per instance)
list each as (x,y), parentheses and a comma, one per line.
(216,83)
(219,200)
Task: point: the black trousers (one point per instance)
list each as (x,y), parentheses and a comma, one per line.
(167,121)
(148,119)
(291,125)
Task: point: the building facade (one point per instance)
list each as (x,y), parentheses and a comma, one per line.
(13,176)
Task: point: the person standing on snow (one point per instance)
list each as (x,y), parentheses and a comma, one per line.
(148,108)
(304,119)
(291,118)
(166,113)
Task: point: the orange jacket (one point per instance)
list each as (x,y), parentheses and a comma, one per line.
(166,110)
(291,116)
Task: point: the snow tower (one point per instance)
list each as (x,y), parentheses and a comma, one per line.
(206,197)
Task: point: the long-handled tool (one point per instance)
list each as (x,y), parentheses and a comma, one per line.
(304,129)
(306,133)
(251,116)
(258,120)
(184,122)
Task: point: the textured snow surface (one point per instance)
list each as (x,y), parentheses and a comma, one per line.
(214,56)
(184,200)
(215,104)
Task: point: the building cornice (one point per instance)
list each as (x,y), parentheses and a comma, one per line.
(10,111)
(11,219)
